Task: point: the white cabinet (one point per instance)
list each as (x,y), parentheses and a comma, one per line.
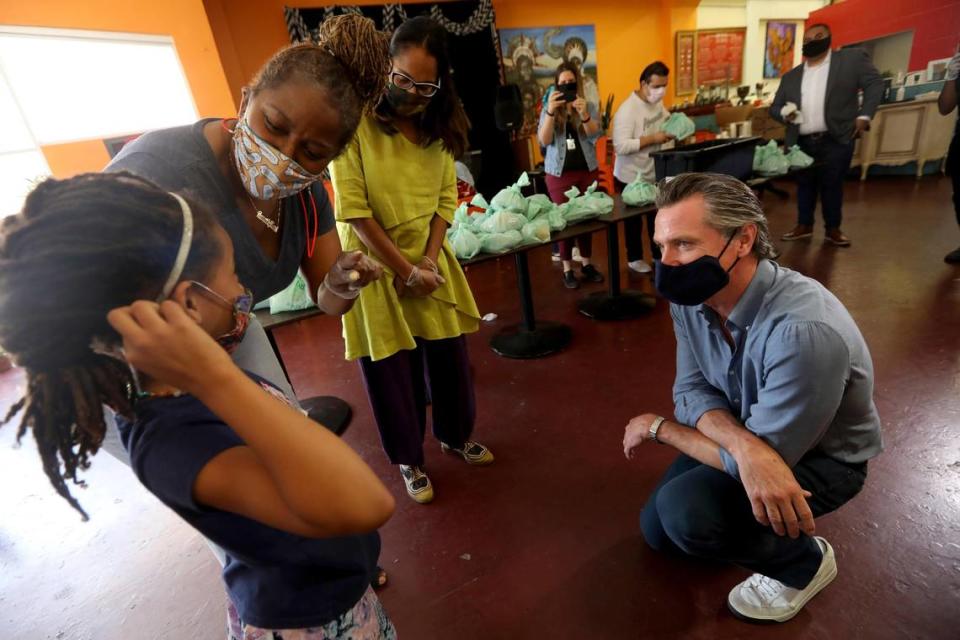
(905,132)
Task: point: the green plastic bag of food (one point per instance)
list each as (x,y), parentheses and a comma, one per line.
(293,298)
(537,204)
(479,201)
(769,160)
(503,221)
(591,204)
(464,242)
(556,218)
(639,192)
(536,231)
(500,242)
(798,158)
(511,199)
(679,126)
(461,215)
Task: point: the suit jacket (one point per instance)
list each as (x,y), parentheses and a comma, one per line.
(850,71)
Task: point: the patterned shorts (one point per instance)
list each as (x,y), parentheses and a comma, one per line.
(365,621)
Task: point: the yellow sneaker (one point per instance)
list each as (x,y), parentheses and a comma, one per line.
(472,452)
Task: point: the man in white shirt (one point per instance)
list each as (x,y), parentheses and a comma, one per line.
(636,133)
(819,102)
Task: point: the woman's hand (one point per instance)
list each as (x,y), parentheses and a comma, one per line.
(421,283)
(351,272)
(581,107)
(169,346)
(554,102)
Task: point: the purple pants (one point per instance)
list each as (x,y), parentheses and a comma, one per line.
(556,188)
(397,389)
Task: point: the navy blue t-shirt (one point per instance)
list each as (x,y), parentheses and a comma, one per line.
(276,580)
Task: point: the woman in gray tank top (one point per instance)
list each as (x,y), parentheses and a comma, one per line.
(261,172)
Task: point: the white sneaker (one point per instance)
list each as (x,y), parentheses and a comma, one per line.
(639,266)
(763,599)
(575,255)
(418,484)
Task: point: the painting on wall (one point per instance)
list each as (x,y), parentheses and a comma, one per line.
(719,56)
(686,81)
(779,50)
(531,56)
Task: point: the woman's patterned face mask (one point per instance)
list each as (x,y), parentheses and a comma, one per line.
(266,172)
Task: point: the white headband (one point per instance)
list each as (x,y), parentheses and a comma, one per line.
(185,241)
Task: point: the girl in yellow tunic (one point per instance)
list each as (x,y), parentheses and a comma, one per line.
(396,191)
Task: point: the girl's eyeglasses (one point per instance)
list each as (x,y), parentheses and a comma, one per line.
(402,81)
(242,304)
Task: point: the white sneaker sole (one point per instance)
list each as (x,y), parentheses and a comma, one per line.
(819,583)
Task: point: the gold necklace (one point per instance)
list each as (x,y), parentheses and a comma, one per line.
(273,225)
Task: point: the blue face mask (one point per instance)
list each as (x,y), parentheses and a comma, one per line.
(695,282)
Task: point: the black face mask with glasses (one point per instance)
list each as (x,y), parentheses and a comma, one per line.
(409,97)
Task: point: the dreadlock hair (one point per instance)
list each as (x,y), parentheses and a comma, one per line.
(351,63)
(444,118)
(78,249)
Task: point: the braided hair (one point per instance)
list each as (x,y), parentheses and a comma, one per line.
(351,63)
(78,249)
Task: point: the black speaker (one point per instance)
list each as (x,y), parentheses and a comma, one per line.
(508,110)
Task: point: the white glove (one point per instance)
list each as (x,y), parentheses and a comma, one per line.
(953,68)
(350,273)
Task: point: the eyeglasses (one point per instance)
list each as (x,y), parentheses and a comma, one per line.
(402,81)
(242,304)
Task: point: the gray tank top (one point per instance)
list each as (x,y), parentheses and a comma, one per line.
(180,159)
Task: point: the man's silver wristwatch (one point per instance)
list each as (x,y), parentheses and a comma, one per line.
(655,427)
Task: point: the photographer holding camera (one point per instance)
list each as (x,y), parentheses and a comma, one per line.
(569,128)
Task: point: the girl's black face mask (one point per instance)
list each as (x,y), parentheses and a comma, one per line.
(695,282)
(406,104)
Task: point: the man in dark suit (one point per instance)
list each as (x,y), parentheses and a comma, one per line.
(819,103)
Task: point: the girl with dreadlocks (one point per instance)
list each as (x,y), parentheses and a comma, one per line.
(261,172)
(293,507)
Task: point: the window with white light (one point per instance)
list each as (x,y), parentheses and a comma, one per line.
(60,86)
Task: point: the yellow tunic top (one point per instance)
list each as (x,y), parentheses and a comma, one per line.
(401,185)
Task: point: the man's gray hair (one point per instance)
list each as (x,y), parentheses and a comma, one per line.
(730,204)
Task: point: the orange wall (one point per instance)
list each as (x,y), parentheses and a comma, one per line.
(184,20)
(630,34)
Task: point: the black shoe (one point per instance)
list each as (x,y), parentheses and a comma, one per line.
(333,413)
(590,273)
(953,257)
(570,280)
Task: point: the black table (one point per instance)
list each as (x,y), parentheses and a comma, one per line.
(616,303)
(530,338)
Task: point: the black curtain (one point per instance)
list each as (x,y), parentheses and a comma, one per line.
(474,56)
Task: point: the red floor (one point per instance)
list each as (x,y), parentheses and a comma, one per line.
(545,543)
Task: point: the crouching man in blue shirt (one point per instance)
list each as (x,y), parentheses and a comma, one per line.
(775,419)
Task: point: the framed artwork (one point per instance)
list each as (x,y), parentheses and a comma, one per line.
(719,56)
(531,56)
(937,69)
(779,50)
(686,76)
